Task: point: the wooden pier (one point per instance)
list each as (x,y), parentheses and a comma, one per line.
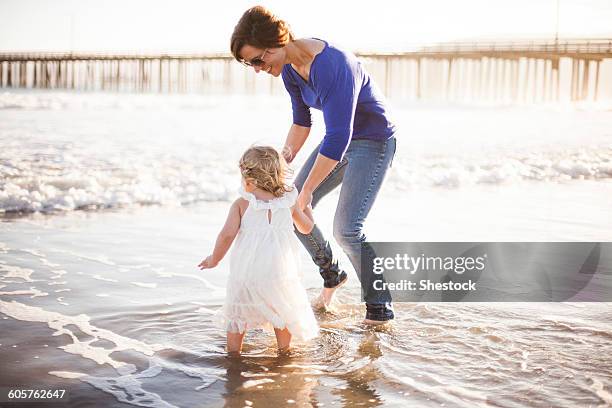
(527,71)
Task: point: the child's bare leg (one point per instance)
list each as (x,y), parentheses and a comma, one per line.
(234,342)
(283,338)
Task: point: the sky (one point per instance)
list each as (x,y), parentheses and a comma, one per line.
(206,26)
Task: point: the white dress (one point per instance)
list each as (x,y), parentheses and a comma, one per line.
(264,287)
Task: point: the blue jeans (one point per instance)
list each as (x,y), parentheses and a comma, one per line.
(361,172)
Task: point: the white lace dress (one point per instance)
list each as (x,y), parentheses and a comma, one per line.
(264,287)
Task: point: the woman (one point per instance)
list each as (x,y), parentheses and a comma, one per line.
(356,151)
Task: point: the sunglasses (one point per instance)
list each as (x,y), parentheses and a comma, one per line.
(257,61)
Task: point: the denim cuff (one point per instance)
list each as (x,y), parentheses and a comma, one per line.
(332,277)
(379,311)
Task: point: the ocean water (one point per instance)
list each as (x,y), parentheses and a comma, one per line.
(110,201)
(63,151)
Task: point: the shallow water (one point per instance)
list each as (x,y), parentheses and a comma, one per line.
(110,202)
(110,306)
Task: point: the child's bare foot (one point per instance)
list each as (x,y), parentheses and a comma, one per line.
(284,351)
(234,343)
(283,340)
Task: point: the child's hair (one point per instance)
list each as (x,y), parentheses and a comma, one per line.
(266,168)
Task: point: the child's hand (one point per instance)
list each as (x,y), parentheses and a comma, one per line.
(207,263)
(302,219)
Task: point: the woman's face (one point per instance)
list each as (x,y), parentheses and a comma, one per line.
(271,59)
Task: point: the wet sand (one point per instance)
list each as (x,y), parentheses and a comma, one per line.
(110,306)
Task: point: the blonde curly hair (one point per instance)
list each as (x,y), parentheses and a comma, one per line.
(266,169)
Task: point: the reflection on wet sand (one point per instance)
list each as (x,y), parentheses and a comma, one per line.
(155,345)
(325,374)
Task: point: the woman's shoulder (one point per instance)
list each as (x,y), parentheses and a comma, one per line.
(332,52)
(332,61)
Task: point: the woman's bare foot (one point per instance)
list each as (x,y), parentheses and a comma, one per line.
(375,322)
(326,297)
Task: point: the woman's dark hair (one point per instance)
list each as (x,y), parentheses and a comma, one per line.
(259,28)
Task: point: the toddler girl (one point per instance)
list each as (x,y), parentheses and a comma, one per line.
(263,288)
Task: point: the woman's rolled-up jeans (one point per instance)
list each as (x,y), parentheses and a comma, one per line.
(361,173)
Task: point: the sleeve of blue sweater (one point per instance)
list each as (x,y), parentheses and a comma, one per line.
(337,80)
(301,111)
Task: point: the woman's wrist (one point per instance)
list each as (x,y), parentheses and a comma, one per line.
(287,153)
(308,188)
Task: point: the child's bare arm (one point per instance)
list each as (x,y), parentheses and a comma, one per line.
(225,237)
(303,220)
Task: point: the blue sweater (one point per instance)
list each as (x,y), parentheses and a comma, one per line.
(353,107)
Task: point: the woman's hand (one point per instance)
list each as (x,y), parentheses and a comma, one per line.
(208,263)
(287,154)
(295,140)
(304,200)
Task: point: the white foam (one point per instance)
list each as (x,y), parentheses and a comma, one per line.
(98,277)
(31,190)
(105,182)
(32,252)
(253,383)
(205,310)
(32,291)
(208,375)
(593,163)
(46,262)
(598,388)
(58,273)
(247,374)
(16,272)
(67,374)
(126,388)
(145,285)
(60,322)
(92,165)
